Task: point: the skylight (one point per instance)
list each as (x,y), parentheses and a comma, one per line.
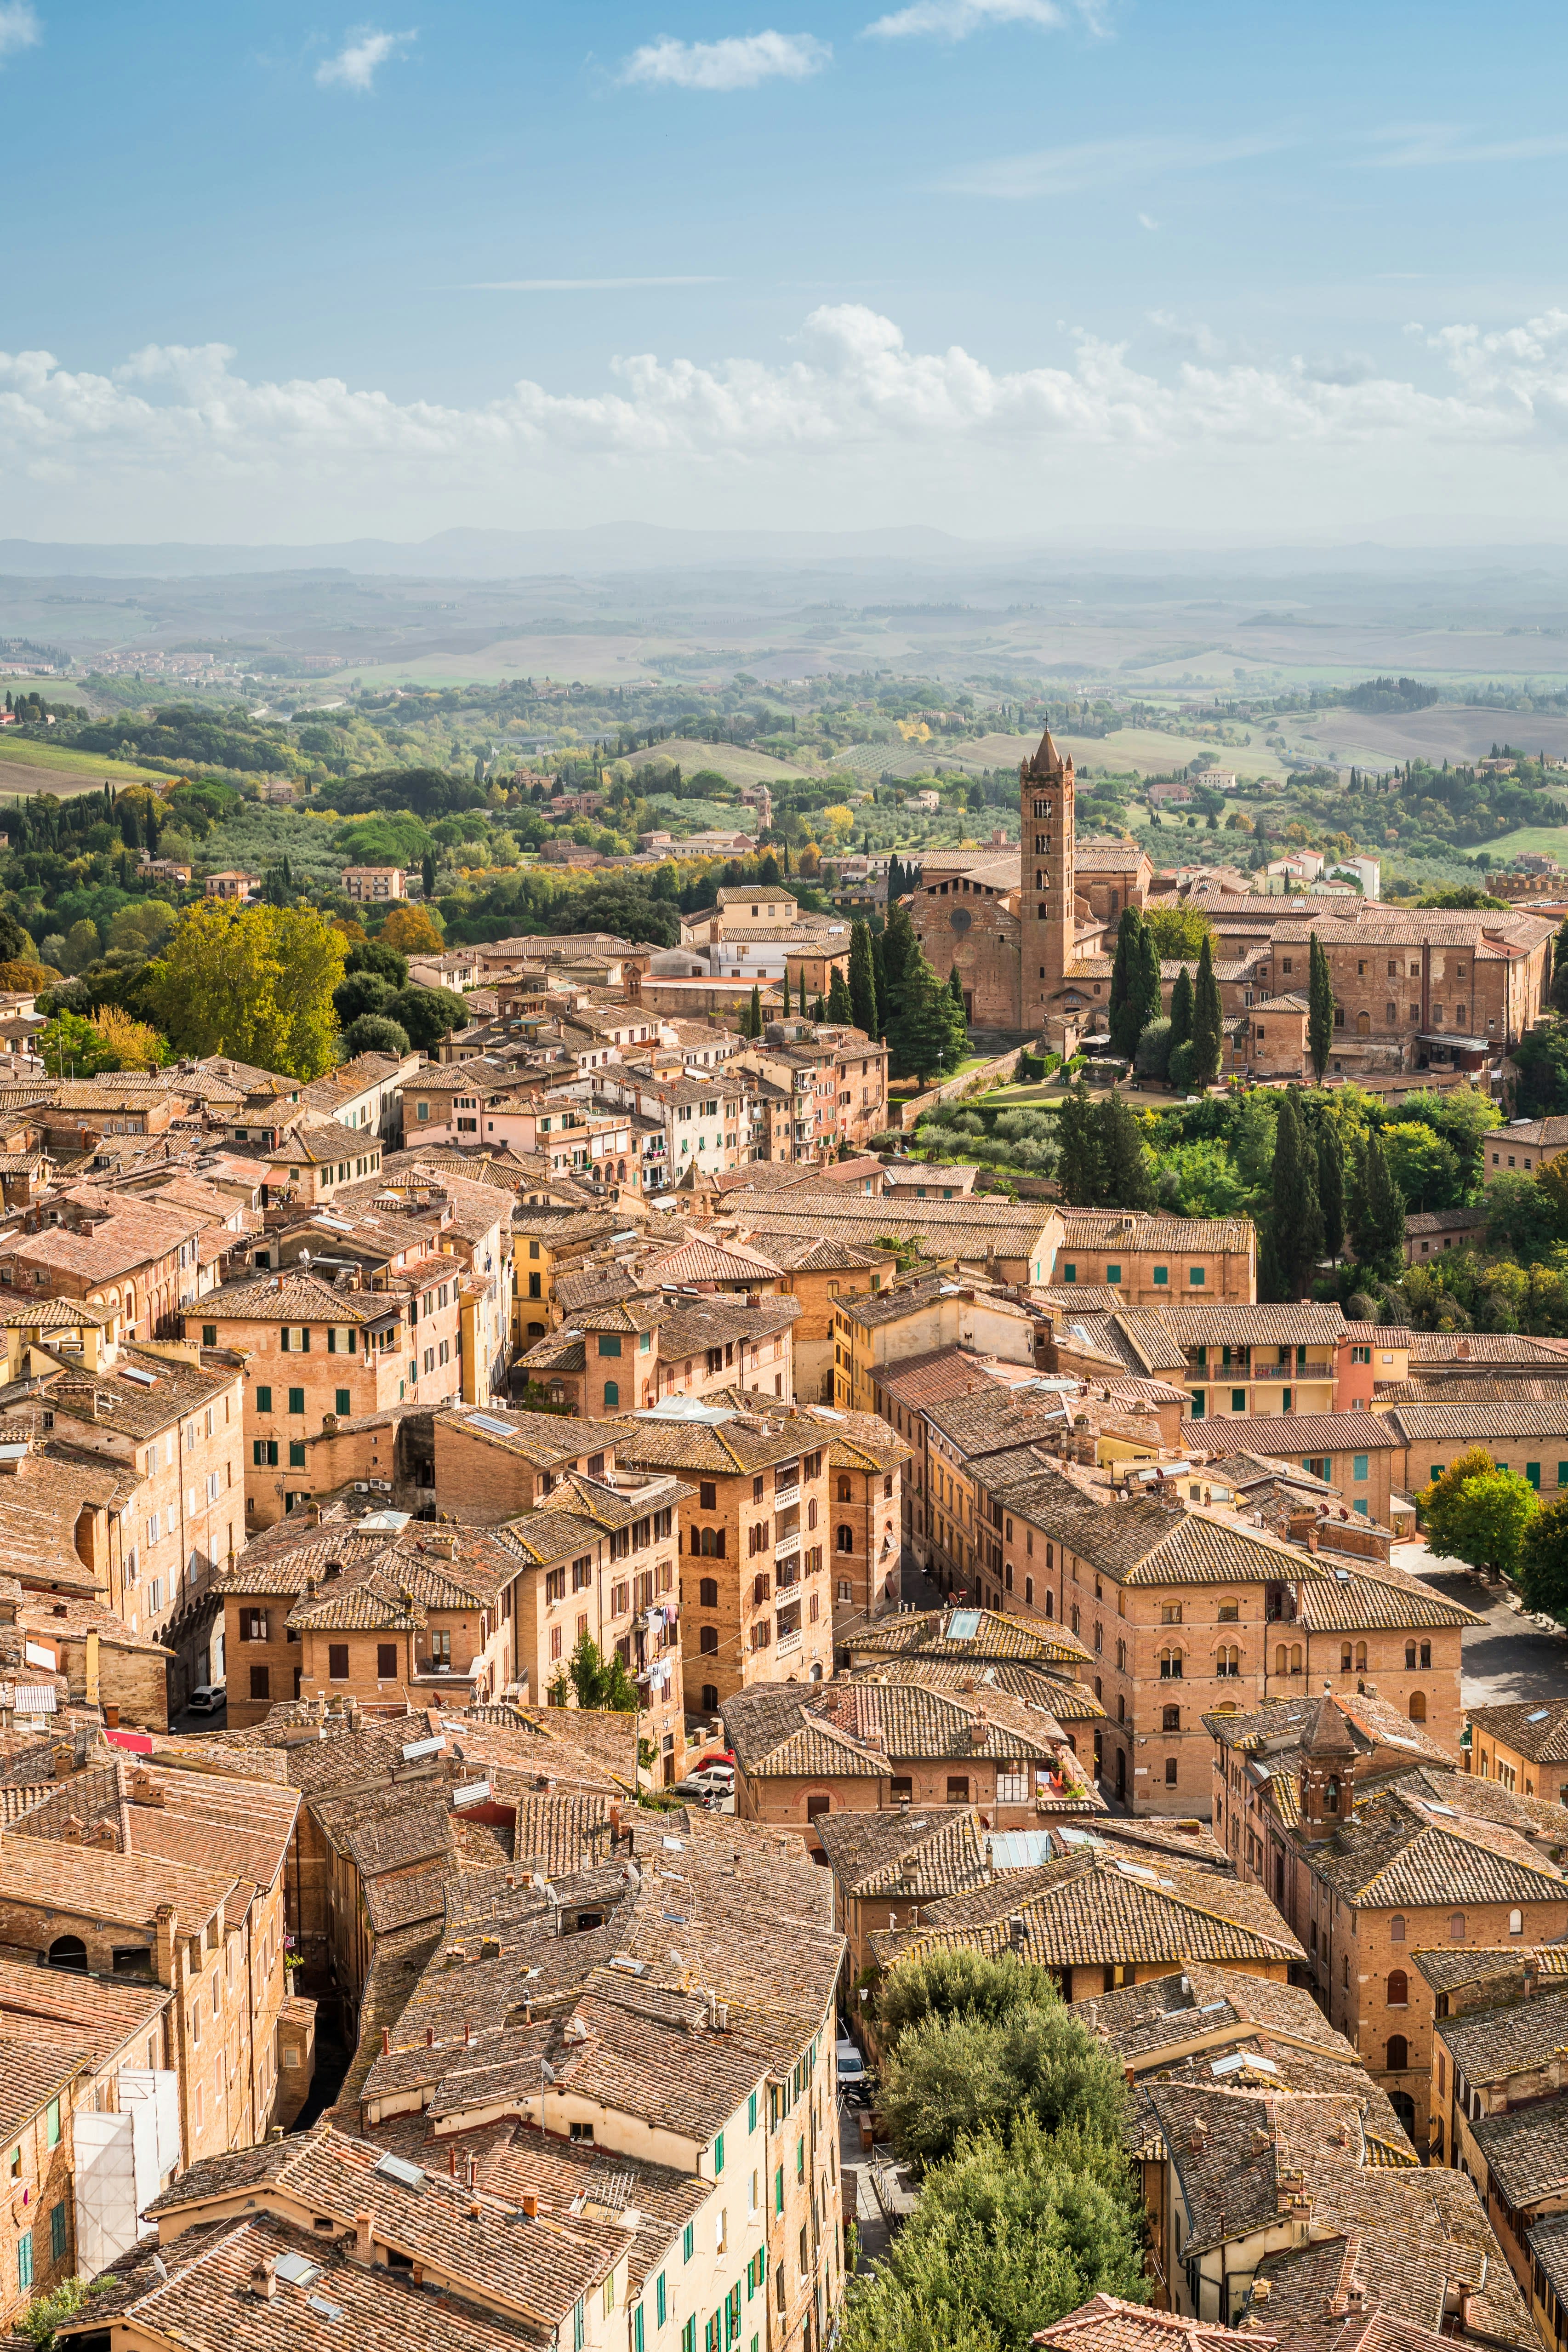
(963,1625)
(395,2168)
(485,1420)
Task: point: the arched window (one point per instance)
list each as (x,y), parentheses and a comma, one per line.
(1170,1665)
(1398,2053)
(1050,1599)
(1418,1706)
(846,1541)
(1345,1657)
(1361,1657)
(843,1490)
(1227,1662)
(707,1641)
(1295,1657)
(1008,1578)
(1029,1595)
(1410,1655)
(817,1803)
(1396,1929)
(812,1512)
(1331,1793)
(1280,1659)
(710,1697)
(1455,1927)
(707,1592)
(621,1171)
(612,1396)
(1516,1923)
(1426,1657)
(69,1952)
(1398,1989)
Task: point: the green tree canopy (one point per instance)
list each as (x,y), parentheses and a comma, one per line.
(255,983)
(959,1983)
(1543,1561)
(1320,1007)
(1478,1512)
(1424,1165)
(1178,932)
(1207,1022)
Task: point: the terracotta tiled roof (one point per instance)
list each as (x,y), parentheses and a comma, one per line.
(943,1634)
(1479,1425)
(1108,2324)
(1106,1229)
(1518,2037)
(1363,1597)
(1538,1732)
(1099,1908)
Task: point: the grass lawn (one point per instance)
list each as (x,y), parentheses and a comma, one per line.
(50,768)
(1548,840)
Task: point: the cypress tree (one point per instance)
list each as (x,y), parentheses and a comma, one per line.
(1081,1166)
(1124,1176)
(1560,969)
(1207,1026)
(1181,1009)
(1380,1210)
(428,873)
(863,982)
(879,978)
(839,1005)
(1146,981)
(1331,1186)
(901,954)
(754,1013)
(920,1028)
(787,991)
(1296,1226)
(960,1013)
(819,1010)
(1123,1009)
(1320,1009)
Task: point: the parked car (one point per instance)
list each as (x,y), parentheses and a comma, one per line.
(715,1756)
(854,2081)
(712,1782)
(207,1698)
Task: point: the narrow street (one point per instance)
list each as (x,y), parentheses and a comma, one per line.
(1509,1658)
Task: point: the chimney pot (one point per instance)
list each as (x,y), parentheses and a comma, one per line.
(362,2237)
(530,2206)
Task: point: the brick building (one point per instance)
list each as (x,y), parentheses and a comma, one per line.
(1372,1857)
(1520,1746)
(860,1746)
(756,1573)
(316,1351)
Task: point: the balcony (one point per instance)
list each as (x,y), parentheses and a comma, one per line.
(788,1546)
(788,1645)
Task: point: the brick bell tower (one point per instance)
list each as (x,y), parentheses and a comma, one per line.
(1046,838)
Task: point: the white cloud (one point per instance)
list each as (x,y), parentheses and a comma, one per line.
(955,20)
(19,27)
(580,285)
(1408,145)
(357,62)
(853,422)
(739,62)
(1144,222)
(1100,162)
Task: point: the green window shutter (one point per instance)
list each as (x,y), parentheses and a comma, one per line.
(659,2306)
(718,2156)
(1195,1276)
(1069,1274)
(345,1400)
(295,1400)
(1358,1466)
(297,1454)
(264,1399)
(1162,1275)
(57,2232)
(1113,1273)
(209,1335)
(1533,1472)
(610,1343)
(24,2259)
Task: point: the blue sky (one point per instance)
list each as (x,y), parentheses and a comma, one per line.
(1007,266)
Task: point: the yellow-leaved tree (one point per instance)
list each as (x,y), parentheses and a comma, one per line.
(135,1046)
(252,981)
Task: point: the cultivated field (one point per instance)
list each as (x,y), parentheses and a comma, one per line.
(42,768)
(1459,731)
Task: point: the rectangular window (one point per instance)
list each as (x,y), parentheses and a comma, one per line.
(386,1662)
(337,1662)
(1358,1466)
(577,2328)
(1195,1276)
(1069,1274)
(659,2305)
(52,2124)
(610,1343)
(1198,1396)
(1238,1399)
(751,2113)
(637,2329)
(689,2336)
(24,2259)
(1162,1276)
(689,2240)
(778,2190)
(264,1399)
(58,2231)
(264,1452)
(718,2156)
(1113,1273)
(259,1685)
(295,1400)
(345,1403)
(1533,1472)
(297,1454)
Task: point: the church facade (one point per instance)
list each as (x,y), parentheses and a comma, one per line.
(1031,935)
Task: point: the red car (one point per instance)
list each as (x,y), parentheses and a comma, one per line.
(713,1756)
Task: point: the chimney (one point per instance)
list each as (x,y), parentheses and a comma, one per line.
(264,2279)
(164,1948)
(1017,1932)
(530,2206)
(471,2171)
(362,2237)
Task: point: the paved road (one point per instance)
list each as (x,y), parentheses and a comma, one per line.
(1508,1658)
